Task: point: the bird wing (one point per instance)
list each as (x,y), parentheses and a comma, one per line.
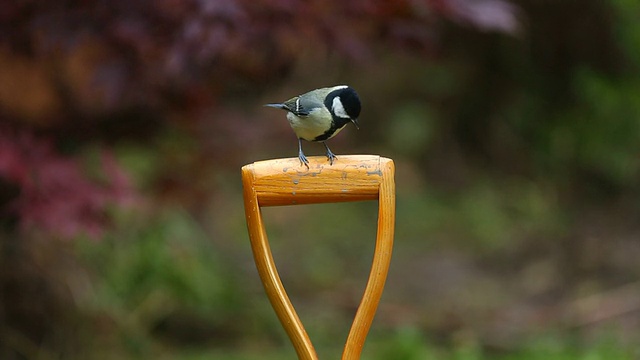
(300,106)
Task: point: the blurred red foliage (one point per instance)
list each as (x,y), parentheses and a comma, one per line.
(55,194)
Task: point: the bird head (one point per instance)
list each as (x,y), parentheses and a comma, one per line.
(344,105)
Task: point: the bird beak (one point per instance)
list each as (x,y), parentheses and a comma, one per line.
(355,122)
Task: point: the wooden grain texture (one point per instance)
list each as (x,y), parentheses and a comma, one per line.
(286,182)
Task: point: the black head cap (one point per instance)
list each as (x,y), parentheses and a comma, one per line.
(351,102)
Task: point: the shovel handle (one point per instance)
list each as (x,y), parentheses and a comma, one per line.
(285,182)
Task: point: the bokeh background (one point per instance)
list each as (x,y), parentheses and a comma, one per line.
(514,126)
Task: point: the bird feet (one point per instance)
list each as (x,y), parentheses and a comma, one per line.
(331,156)
(303,160)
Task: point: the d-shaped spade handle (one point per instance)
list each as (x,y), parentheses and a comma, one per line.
(350,178)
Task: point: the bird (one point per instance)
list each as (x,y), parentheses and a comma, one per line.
(321,114)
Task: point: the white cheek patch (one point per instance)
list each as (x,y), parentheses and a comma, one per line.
(338,109)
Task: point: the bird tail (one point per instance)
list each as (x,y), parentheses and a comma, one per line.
(277,106)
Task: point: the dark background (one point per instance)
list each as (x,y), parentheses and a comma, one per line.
(514,128)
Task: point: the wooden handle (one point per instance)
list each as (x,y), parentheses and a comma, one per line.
(286,182)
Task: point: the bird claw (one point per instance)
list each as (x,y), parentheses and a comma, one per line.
(303,160)
(331,156)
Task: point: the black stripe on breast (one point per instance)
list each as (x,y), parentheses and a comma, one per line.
(327,134)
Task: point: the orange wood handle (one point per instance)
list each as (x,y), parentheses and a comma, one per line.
(286,182)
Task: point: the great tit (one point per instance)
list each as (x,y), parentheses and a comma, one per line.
(320,114)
